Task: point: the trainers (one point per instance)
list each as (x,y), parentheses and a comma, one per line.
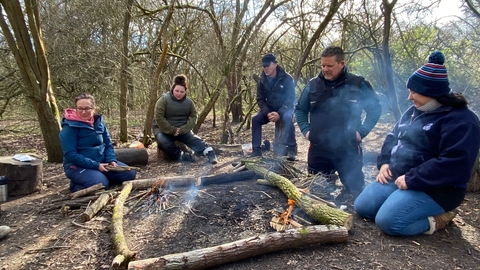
(186,157)
(440,222)
(257,152)
(4,230)
(212,158)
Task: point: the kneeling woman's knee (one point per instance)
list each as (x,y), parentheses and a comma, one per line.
(389,225)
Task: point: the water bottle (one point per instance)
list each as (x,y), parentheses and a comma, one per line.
(3,188)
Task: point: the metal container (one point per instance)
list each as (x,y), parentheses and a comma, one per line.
(3,188)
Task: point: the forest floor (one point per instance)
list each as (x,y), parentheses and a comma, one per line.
(212,215)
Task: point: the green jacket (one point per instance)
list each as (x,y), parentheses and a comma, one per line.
(171,114)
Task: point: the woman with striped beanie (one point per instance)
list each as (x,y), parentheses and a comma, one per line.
(426,160)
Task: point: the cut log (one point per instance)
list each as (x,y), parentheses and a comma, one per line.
(245,248)
(86,191)
(177,181)
(227,177)
(95,207)
(320,212)
(121,168)
(24,177)
(132,156)
(280,140)
(124,254)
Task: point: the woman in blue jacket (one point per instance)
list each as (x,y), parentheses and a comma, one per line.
(426,160)
(87,148)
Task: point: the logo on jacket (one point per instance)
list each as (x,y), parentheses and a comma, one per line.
(428,126)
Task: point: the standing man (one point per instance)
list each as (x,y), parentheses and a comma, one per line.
(276,98)
(335,100)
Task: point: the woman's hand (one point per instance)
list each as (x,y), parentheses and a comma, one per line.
(113,164)
(384,174)
(101,167)
(400,182)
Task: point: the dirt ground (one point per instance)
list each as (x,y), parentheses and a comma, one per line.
(200,217)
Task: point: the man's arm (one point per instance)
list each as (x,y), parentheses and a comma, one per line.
(372,109)
(302,110)
(288,103)
(261,99)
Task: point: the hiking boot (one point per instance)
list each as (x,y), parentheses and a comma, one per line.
(440,222)
(257,152)
(187,157)
(212,158)
(291,153)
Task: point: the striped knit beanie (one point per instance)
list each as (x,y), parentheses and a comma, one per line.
(431,79)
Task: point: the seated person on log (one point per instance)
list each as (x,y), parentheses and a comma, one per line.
(276,98)
(87,148)
(426,160)
(175,117)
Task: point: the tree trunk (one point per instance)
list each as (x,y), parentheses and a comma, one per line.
(33,65)
(245,248)
(124,74)
(320,212)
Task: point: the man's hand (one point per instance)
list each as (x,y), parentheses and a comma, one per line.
(273,117)
(400,182)
(307,135)
(384,174)
(359,137)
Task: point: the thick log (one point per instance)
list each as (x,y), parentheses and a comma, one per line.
(121,168)
(320,212)
(95,207)
(86,191)
(124,254)
(245,248)
(227,177)
(280,140)
(227,148)
(24,177)
(176,181)
(132,156)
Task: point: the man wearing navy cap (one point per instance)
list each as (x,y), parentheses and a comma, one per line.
(276,98)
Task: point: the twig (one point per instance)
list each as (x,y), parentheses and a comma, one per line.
(318,199)
(44,249)
(264,193)
(203,191)
(83,226)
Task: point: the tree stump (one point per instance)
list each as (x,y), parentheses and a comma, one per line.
(24,177)
(280,140)
(132,156)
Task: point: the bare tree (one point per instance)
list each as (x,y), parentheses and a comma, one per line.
(33,65)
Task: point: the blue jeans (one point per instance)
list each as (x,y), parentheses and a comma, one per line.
(261,119)
(81,178)
(397,212)
(166,143)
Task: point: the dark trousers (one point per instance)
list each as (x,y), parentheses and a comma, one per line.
(260,119)
(81,178)
(166,143)
(347,163)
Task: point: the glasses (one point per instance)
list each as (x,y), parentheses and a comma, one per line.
(88,109)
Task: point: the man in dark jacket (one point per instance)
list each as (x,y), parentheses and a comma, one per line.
(335,100)
(276,98)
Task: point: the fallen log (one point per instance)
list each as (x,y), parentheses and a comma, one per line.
(185,180)
(124,254)
(227,177)
(227,148)
(245,248)
(132,156)
(95,207)
(86,191)
(320,212)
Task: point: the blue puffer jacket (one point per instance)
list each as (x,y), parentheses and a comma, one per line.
(86,146)
(434,150)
